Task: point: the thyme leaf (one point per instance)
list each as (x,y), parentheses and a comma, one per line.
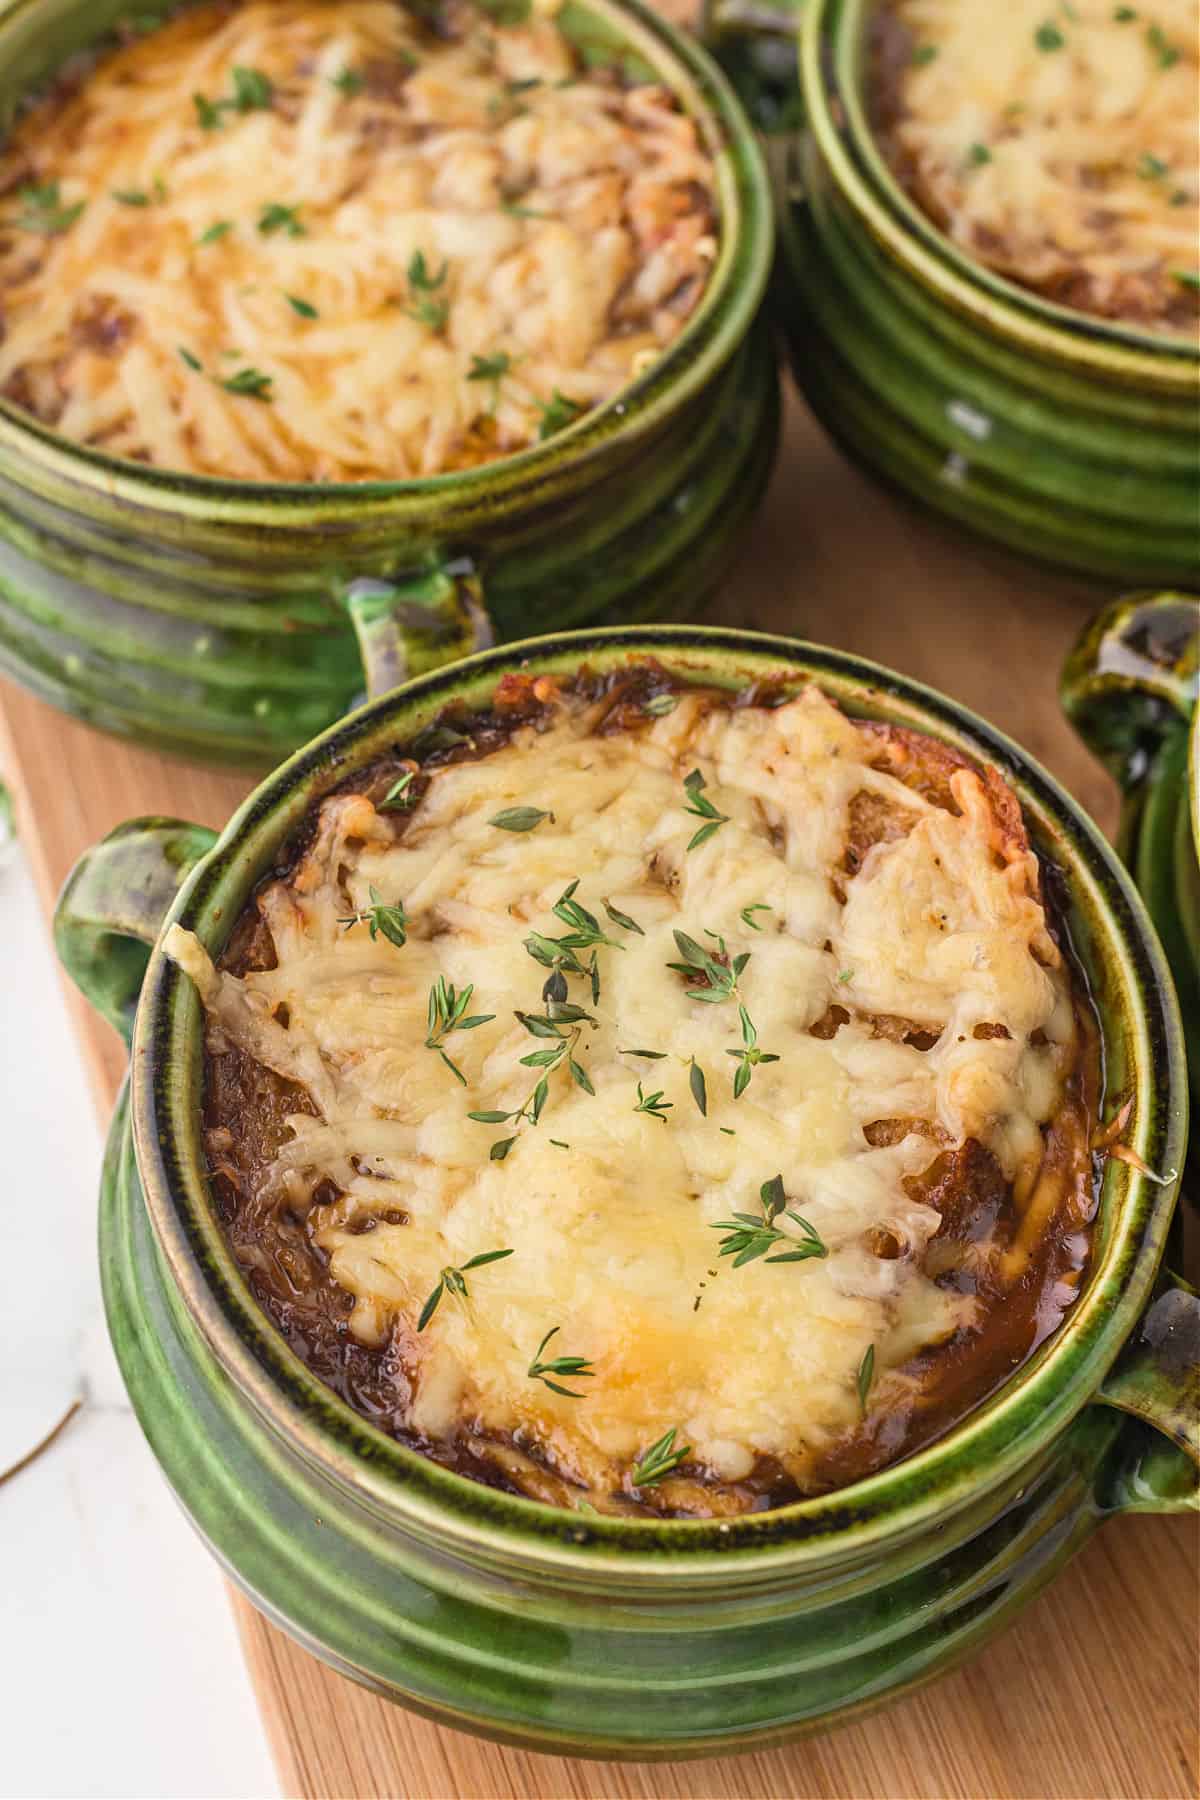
(749,1056)
(866,1375)
(701,807)
(43,212)
(519,818)
(392,921)
(748,1237)
(447,1007)
(654,1104)
(558,412)
(660,1459)
(452,1281)
(576,1368)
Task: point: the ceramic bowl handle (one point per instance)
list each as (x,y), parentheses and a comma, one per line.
(112,906)
(1132,679)
(1156,1379)
(417,620)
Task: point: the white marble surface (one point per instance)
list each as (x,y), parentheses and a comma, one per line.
(119,1664)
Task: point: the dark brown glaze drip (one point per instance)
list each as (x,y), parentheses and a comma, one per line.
(246,1108)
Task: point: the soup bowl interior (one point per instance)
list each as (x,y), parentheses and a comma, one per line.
(835,40)
(39,39)
(1116,951)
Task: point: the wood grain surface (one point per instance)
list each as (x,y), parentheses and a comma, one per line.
(1092,1695)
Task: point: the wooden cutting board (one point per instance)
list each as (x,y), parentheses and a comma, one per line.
(1092,1695)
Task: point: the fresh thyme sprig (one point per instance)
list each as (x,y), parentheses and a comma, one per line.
(452,1281)
(654,1104)
(216,232)
(446,1009)
(303,309)
(561,953)
(719,972)
(252,90)
(422,285)
(399,796)
(274,216)
(701,807)
(251,383)
(558,412)
(750,1237)
(562,1025)
(577,1368)
(748,912)
(749,1056)
(864,1378)
(43,212)
(392,921)
(493,369)
(660,1459)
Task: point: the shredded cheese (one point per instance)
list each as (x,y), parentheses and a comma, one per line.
(304,241)
(1057,144)
(609,1211)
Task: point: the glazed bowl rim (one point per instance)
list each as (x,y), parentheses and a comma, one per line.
(442,1508)
(927,253)
(709,339)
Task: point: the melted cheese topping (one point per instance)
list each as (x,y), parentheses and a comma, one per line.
(1057,144)
(611,1212)
(389,253)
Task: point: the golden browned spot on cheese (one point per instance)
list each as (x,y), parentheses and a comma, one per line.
(929,1111)
(304,241)
(1055,144)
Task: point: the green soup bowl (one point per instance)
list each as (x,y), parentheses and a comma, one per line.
(226,620)
(1068,438)
(596,1635)
(1131,688)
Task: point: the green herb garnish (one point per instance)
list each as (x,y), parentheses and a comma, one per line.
(561,952)
(1165,51)
(654,1104)
(659,1460)
(519,818)
(557,413)
(576,1368)
(749,1056)
(699,1088)
(1123,14)
(701,807)
(275,217)
(493,369)
(654,1055)
(516,211)
(1186,278)
(977,155)
(43,212)
(721,976)
(451,1281)
(660,705)
(302,308)
(221,229)
(560,1029)
(447,1008)
(392,921)
(193,362)
(1048,36)
(251,91)
(399,796)
(251,383)
(923,54)
(422,283)
(208,112)
(131,196)
(749,1237)
(621,919)
(349,82)
(866,1375)
(748,911)
(1151,168)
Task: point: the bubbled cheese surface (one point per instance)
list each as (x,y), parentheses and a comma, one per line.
(609,1212)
